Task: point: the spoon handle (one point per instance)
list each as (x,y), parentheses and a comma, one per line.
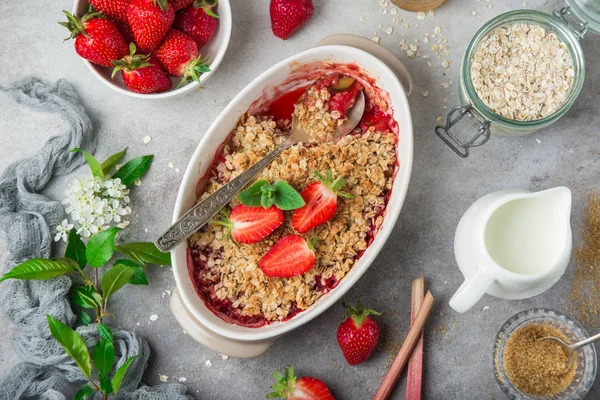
(585,342)
(205,210)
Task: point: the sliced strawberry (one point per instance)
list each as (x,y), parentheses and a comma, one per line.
(305,388)
(290,256)
(321,203)
(252,224)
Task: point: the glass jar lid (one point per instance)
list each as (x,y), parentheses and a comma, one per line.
(587,11)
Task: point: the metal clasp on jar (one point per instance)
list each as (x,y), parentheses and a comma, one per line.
(565,14)
(456,114)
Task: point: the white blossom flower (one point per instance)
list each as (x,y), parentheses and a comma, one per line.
(62,230)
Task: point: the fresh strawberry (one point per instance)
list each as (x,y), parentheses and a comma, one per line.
(251,224)
(290,256)
(320,200)
(142,73)
(305,388)
(149,20)
(116,9)
(180,4)
(125,30)
(287,16)
(198,21)
(358,334)
(96,39)
(179,55)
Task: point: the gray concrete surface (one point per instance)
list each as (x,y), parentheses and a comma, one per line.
(458,347)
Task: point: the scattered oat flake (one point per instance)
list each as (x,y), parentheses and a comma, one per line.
(147,139)
(208,363)
(171,165)
(184,332)
(177,170)
(163,378)
(474,13)
(445,63)
(439,120)
(424,93)
(153,317)
(182,379)
(389,30)
(420,15)
(486,308)
(375,39)
(538,141)
(166,293)
(393,11)
(224,356)
(431,13)
(437,30)
(362,18)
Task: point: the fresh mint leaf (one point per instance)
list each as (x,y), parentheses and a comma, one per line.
(40,269)
(105,384)
(144,253)
(84,392)
(114,279)
(111,161)
(251,196)
(76,249)
(266,201)
(286,197)
(84,318)
(85,296)
(92,162)
(72,343)
(133,169)
(120,374)
(104,356)
(105,332)
(101,247)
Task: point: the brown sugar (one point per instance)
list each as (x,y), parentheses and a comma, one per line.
(585,288)
(535,366)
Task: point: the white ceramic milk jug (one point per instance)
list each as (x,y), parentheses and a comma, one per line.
(512,244)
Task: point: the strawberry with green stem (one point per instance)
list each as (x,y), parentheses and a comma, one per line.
(287,16)
(306,388)
(150,21)
(357,336)
(96,38)
(142,73)
(116,9)
(251,224)
(178,54)
(198,21)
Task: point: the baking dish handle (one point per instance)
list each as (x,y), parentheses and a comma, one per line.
(208,338)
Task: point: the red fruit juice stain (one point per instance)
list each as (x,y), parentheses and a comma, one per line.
(282,107)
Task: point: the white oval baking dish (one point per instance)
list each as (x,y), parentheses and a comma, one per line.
(188,308)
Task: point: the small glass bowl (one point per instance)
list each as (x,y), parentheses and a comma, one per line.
(586,356)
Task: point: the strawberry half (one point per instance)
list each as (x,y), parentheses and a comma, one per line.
(96,39)
(287,16)
(178,54)
(142,73)
(290,256)
(358,334)
(198,21)
(149,21)
(116,9)
(306,388)
(252,224)
(320,200)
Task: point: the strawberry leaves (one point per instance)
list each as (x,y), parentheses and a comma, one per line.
(262,194)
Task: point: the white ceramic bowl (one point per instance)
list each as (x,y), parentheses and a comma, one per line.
(236,340)
(216,47)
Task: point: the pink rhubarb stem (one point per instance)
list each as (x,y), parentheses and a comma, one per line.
(415,363)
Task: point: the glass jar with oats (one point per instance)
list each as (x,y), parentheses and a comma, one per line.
(521,72)
(528,367)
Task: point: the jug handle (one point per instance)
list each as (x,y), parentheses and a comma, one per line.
(471,291)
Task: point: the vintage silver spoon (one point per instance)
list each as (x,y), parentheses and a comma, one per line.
(570,349)
(205,210)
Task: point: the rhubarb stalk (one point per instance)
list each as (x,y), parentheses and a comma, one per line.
(415,363)
(407,347)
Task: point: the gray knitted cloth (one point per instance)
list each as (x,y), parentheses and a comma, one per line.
(28,218)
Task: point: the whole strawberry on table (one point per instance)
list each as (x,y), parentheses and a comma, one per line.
(105,36)
(358,335)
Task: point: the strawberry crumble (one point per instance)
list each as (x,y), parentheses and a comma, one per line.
(227,275)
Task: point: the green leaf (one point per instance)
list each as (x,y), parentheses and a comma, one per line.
(85,296)
(267,202)
(92,162)
(133,169)
(40,269)
(76,249)
(286,197)
(144,252)
(111,161)
(104,356)
(120,374)
(251,196)
(105,384)
(105,332)
(114,279)
(84,392)
(210,12)
(84,318)
(139,276)
(101,247)
(72,343)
